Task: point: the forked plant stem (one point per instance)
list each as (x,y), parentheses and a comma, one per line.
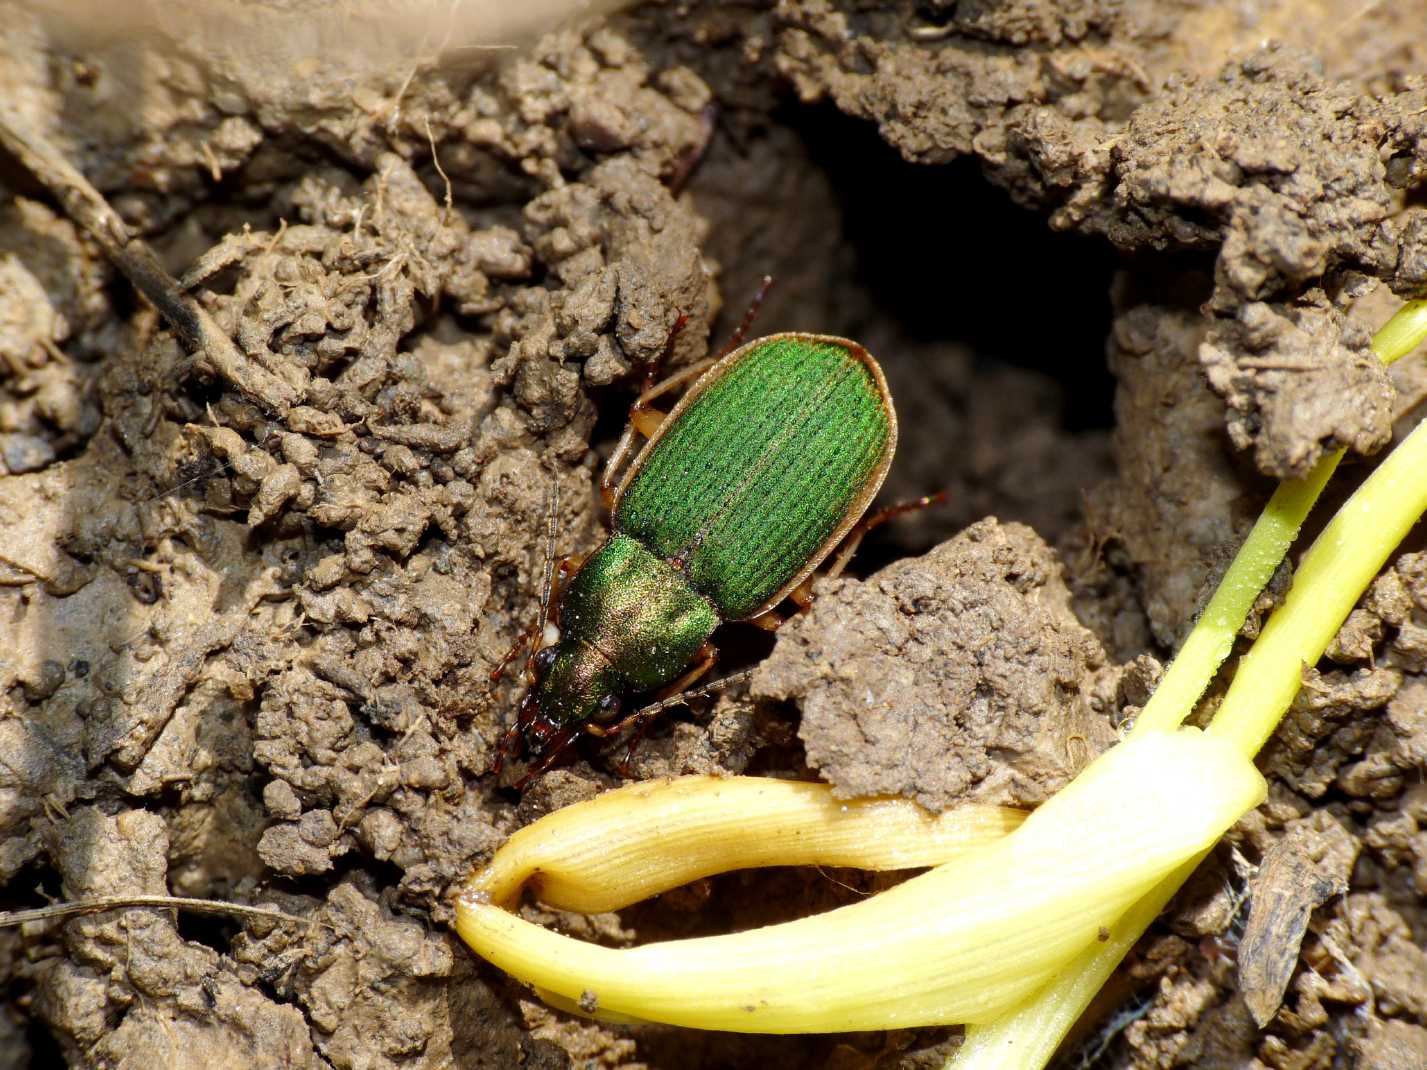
(1330,579)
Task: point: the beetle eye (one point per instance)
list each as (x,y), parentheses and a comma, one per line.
(544,658)
(608,709)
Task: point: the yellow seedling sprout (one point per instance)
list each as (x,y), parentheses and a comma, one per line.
(1330,579)
(642,839)
(1209,643)
(960,943)
(1014,936)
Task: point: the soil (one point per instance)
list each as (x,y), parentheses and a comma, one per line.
(252,606)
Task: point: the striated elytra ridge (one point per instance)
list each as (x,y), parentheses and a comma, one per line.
(762,467)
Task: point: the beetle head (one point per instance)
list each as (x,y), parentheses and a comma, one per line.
(575,685)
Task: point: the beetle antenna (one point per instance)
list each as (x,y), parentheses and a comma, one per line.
(748,317)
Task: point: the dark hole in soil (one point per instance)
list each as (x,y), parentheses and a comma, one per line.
(203,390)
(44,1048)
(751,898)
(741,645)
(34,886)
(956,267)
(212,930)
(951,257)
(372,876)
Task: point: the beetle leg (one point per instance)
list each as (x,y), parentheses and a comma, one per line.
(639,730)
(559,574)
(642,417)
(642,719)
(876,520)
(644,420)
(555,746)
(509,740)
(668,383)
(520,640)
(802,594)
(770,621)
(708,656)
(564,568)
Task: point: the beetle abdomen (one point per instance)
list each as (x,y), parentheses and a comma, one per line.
(762,467)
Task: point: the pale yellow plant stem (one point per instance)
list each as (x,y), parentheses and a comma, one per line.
(1213,636)
(634,842)
(1253,566)
(1331,578)
(1028,1036)
(1403,333)
(966,941)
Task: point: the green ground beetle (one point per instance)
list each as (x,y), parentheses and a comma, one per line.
(763,467)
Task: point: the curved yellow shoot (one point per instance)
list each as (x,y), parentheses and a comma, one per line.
(1027,1036)
(642,839)
(1330,579)
(963,942)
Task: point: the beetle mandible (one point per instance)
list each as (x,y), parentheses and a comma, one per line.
(762,468)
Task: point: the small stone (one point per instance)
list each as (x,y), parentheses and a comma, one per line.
(318,828)
(327,573)
(607,364)
(49,680)
(281,800)
(25,453)
(380,832)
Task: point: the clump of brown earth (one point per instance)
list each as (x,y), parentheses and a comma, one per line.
(251,611)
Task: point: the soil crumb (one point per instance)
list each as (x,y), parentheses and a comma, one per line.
(958,675)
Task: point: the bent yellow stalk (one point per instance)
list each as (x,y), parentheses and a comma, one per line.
(1330,579)
(642,839)
(1263,551)
(960,943)
(1332,576)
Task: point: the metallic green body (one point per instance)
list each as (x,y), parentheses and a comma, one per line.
(758,472)
(628,622)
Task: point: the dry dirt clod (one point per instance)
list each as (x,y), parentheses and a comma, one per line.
(1342,398)
(958,675)
(1393,1045)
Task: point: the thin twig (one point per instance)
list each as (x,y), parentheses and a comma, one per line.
(124,902)
(436,159)
(88,209)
